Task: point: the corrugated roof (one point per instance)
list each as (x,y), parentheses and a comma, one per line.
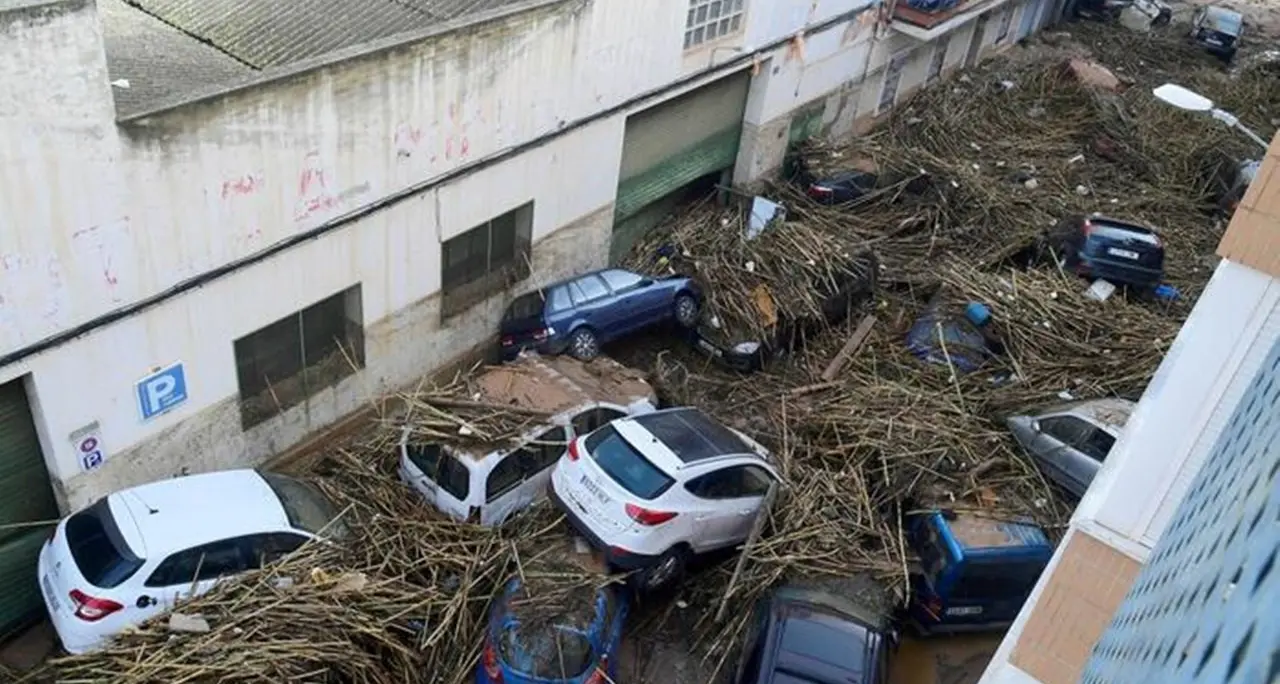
(168,49)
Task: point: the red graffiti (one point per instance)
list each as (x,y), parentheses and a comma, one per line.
(244,185)
(311,180)
(407,140)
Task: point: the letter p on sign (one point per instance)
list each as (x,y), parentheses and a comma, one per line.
(161,391)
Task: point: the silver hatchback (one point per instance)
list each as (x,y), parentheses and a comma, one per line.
(1069,442)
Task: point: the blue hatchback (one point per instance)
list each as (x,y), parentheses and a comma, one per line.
(580,314)
(579,648)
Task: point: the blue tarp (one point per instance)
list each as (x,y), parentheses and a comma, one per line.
(965,346)
(931,5)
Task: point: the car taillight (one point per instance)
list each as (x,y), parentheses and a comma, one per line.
(600,674)
(92,609)
(491,668)
(506,340)
(573,452)
(647,517)
(542,335)
(1087,227)
(819,191)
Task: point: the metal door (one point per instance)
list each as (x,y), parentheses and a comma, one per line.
(26,499)
(1030,9)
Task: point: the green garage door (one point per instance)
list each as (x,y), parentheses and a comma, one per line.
(669,146)
(25,497)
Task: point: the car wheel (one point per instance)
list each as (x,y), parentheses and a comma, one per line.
(666,572)
(686,311)
(583,345)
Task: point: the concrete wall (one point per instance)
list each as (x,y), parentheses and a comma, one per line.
(95,217)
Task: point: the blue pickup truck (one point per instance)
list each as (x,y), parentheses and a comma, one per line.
(975,572)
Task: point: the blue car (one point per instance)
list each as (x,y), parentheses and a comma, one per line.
(572,650)
(580,314)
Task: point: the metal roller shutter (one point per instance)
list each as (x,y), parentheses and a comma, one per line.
(25,497)
(673,144)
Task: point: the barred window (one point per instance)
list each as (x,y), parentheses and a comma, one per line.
(939,59)
(709,20)
(281,365)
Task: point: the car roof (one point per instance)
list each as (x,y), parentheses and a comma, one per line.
(972,533)
(178,513)
(817,644)
(692,436)
(1111,413)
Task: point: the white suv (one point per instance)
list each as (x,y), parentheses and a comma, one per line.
(133,554)
(652,490)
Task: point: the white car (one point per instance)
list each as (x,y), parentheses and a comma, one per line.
(650,491)
(132,554)
(475,480)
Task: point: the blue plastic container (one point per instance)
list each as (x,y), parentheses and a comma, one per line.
(977,313)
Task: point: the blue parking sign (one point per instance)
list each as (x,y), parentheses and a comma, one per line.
(162,391)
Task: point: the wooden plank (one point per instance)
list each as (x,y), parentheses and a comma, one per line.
(850,347)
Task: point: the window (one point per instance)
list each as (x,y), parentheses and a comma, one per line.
(588,289)
(892,76)
(1067,429)
(626,466)
(558,300)
(619,280)
(265,549)
(281,365)
(442,468)
(737,482)
(997,579)
(306,507)
(934,555)
(708,20)
(525,307)
(98,549)
(537,455)
(485,260)
(558,653)
(939,59)
(1098,445)
(590,420)
(211,561)
(1006,21)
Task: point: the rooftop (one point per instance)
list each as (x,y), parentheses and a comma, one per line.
(175,51)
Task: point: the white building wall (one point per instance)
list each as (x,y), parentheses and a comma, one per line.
(95,217)
(1197,388)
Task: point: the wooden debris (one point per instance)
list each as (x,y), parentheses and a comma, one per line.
(850,348)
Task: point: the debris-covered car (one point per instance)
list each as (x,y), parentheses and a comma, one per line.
(485,474)
(577,315)
(1219,30)
(1157,13)
(1071,441)
(572,639)
(652,491)
(975,572)
(803,633)
(131,555)
(1118,251)
(844,181)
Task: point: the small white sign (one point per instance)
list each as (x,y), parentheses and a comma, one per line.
(87,442)
(965,610)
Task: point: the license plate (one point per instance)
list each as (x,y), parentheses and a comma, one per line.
(1213,41)
(965,610)
(595,490)
(49,595)
(1122,253)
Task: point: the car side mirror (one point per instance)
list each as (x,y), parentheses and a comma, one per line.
(646,282)
(145,601)
(1035,425)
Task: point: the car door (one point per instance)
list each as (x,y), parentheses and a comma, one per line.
(1057,446)
(645,305)
(192,572)
(442,479)
(727,502)
(593,304)
(1085,462)
(521,477)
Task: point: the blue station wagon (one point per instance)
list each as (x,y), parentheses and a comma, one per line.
(577,315)
(537,649)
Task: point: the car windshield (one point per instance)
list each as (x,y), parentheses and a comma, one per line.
(620,461)
(100,552)
(525,306)
(1226,21)
(306,507)
(1125,233)
(546,653)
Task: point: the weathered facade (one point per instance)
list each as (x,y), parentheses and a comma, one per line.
(217,239)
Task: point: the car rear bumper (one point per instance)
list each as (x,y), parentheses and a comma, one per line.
(1121,274)
(614,557)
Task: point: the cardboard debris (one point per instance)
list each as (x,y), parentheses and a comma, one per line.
(1091,73)
(193,624)
(765,305)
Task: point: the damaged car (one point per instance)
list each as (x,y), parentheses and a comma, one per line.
(1070,442)
(1219,30)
